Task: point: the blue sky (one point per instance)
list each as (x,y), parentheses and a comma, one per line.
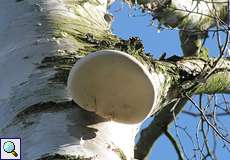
(132,22)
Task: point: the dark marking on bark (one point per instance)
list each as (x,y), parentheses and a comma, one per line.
(63,157)
(61,76)
(62,64)
(46,107)
(26,123)
(60,59)
(19,0)
(21,84)
(57,60)
(26,57)
(79,117)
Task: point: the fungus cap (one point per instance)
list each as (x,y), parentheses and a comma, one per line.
(113,84)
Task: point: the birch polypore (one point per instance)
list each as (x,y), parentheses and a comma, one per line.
(113,84)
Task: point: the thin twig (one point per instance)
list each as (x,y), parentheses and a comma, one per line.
(206,119)
(175,144)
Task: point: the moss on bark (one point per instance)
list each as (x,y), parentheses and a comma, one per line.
(64,157)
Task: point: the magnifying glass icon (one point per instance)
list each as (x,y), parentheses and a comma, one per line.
(9,147)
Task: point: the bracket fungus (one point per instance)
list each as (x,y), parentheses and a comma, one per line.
(114,85)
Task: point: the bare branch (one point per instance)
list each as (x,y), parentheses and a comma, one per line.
(206,119)
(175,144)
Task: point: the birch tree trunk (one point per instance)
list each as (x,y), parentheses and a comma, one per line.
(40,40)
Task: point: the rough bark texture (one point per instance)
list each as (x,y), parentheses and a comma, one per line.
(40,41)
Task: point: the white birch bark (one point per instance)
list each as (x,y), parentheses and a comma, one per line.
(38,109)
(187,14)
